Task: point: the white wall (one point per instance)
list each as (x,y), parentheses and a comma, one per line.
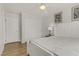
(45,23)
(52,9)
(31,27)
(2,28)
(68,28)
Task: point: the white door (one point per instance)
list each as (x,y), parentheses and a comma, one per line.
(12,27)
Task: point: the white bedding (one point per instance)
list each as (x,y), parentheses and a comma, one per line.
(60,46)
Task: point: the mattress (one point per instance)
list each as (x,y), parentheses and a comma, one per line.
(59,45)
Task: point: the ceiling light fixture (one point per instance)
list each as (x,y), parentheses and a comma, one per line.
(42,6)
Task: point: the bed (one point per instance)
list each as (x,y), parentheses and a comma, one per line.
(65,43)
(54,47)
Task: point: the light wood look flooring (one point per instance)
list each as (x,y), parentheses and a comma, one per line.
(15,49)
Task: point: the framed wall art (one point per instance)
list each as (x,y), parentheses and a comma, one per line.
(58,17)
(75,13)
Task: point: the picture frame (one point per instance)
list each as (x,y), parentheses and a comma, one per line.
(58,17)
(75,13)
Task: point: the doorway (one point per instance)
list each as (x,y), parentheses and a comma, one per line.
(12,27)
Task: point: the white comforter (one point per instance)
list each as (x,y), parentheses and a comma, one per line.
(60,46)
